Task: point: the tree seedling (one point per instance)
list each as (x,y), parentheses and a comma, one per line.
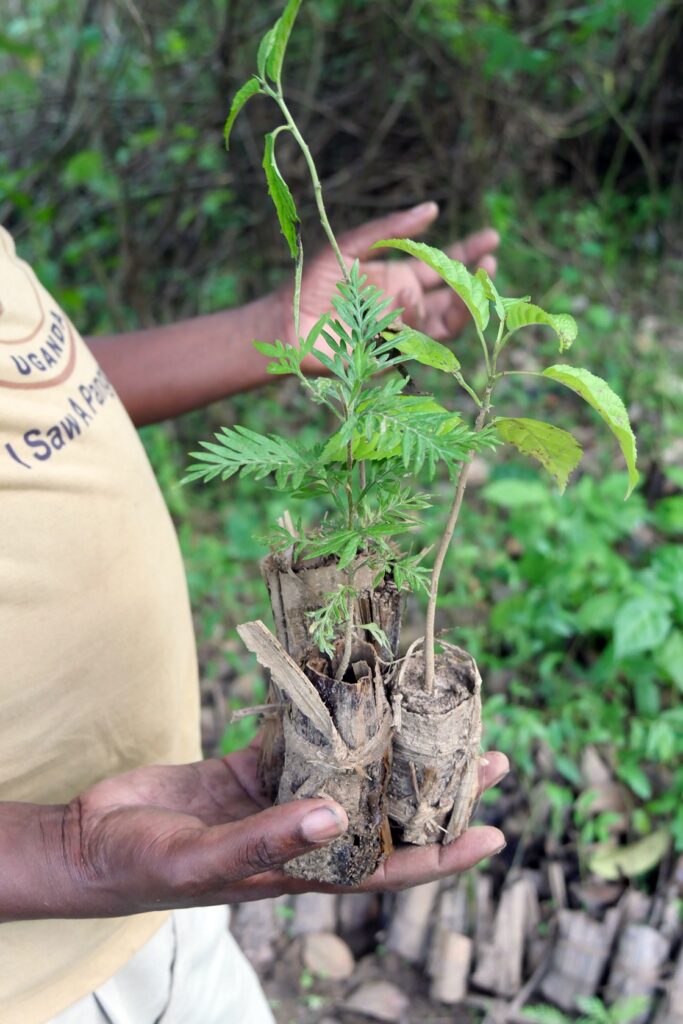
(389,738)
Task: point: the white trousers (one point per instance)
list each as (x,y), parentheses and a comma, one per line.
(190,972)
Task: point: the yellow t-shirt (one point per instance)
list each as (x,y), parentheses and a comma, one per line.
(97,658)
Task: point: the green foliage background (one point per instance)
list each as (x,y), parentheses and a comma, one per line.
(558,123)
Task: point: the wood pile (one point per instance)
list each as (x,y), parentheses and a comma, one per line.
(449,948)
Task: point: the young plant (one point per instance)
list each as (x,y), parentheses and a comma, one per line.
(369,471)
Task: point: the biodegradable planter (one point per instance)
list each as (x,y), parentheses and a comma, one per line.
(338,739)
(434,777)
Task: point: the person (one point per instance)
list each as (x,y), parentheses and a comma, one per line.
(110,821)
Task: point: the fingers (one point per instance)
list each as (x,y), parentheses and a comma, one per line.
(212,860)
(415,865)
(493,767)
(357,243)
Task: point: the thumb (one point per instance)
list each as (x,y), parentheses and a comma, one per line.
(357,243)
(262,841)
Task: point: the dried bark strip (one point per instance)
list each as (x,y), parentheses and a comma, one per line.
(579,958)
(338,745)
(637,965)
(411,921)
(434,779)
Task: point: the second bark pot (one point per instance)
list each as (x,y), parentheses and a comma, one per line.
(435,770)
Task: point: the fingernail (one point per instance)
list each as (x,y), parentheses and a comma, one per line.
(322,825)
(423,208)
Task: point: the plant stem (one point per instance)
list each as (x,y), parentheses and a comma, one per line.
(446,540)
(348,640)
(317,187)
(348,630)
(297,287)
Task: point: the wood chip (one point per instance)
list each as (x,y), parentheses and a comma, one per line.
(328,956)
(499,962)
(379,1000)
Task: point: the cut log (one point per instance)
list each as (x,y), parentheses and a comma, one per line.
(500,961)
(636,969)
(435,773)
(579,959)
(453,959)
(451,949)
(483,911)
(314,912)
(411,920)
(337,745)
(256,927)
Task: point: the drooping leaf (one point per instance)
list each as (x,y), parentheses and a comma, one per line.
(607,404)
(554,448)
(425,350)
(491,291)
(248,90)
(455,274)
(614,862)
(263,52)
(641,624)
(281,33)
(524,314)
(281,196)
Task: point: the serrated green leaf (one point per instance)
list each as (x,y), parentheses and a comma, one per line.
(455,274)
(425,350)
(263,52)
(525,314)
(248,90)
(281,33)
(607,404)
(281,196)
(554,448)
(614,862)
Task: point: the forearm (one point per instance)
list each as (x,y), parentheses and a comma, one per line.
(36,878)
(165,371)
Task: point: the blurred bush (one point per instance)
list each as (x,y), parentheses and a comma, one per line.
(114,177)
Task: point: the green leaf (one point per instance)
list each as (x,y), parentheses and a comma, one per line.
(264,50)
(555,449)
(281,196)
(607,404)
(281,32)
(244,451)
(669,657)
(614,862)
(424,349)
(491,292)
(516,494)
(248,90)
(454,273)
(642,624)
(524,314)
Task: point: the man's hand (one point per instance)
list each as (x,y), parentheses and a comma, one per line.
(200,834)
(429,304)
